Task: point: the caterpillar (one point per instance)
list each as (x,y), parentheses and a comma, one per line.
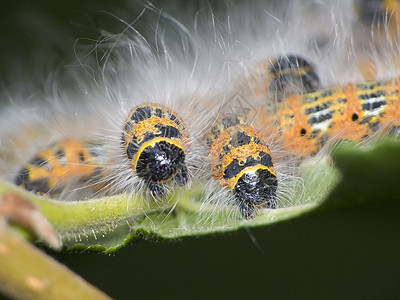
(68,163)
(242,161)
(153,138)
(306,122)
(283,76)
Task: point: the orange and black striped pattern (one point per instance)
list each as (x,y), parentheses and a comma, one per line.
(154,140)
(59,165)
(304,123)
(242,161)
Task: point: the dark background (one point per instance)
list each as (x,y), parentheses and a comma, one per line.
(351,254)
(40,37)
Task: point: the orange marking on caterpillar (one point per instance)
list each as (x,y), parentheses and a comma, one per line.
(304,123)
(242,161)
(154,139)
(53,168)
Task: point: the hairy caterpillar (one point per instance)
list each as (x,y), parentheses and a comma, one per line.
(306,122)
(52,169)
(240,157)
(153,140)
(242,161)
(283,76)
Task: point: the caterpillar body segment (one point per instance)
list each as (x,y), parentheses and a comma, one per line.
(353,111)
(283,76)
(225,123)
(70,162)
(241,161)
(154,141)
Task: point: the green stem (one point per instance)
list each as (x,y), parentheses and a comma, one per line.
(75,216)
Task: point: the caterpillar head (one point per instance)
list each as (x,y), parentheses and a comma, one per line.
(255,188)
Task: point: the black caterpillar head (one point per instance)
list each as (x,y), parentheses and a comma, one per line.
(161,162)
(256,188)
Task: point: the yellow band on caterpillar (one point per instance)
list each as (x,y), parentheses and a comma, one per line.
(154,139)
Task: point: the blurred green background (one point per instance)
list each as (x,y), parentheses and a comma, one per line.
(348,254)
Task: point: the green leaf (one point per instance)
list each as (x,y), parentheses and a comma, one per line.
(369,175)
(366,175)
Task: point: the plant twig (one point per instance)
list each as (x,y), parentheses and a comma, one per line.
(28,273)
